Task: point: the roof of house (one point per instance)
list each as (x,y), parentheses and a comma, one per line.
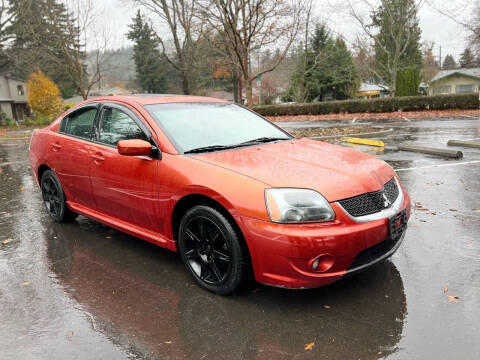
(365,87)
(473,72)
(9,76)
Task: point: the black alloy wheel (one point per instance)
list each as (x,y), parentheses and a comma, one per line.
(211,250)
(54,198)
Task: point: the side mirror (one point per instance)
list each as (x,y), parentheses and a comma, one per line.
(134,147)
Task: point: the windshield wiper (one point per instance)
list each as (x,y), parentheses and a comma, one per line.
(262,140)
(209,148)
(232,146)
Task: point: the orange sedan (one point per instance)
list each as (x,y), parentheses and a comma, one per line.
(231,192)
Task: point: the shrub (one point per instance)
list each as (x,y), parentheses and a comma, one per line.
(406,103)
(43,96)
(408,81)
(67,106)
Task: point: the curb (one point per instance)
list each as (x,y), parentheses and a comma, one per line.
(361,135)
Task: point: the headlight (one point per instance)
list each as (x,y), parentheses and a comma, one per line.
(297,206)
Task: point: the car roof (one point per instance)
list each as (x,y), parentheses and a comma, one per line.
(148,99)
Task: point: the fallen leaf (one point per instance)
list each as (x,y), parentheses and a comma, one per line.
(22,188)
(6,241)
(326,306)
(453,298)
(26,283)
(309,346)
(445,289)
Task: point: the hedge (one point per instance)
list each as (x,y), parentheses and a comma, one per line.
(378,105)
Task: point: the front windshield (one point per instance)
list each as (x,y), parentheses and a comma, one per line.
(197,125)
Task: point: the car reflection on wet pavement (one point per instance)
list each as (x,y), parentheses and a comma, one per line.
(86,291)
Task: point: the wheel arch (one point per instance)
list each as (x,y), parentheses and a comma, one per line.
(41,169)
(188,201)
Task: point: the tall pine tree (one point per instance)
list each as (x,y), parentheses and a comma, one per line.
(449,63)
(44,31)
(467,60)
(150,67)
(397,44)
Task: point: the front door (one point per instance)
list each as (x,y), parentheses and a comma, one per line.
(124,187)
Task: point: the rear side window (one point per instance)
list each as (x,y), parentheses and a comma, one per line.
(117,125)
(79,123)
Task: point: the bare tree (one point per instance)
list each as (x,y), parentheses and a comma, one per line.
(430,65)
(251,25)
(475,31)
(182,19)
(86,31)
(5,18)
(456,11)
(364,57)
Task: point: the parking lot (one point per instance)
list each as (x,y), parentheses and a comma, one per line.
(86,291)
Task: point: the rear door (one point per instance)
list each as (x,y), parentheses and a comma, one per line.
(70,153)
(124,187)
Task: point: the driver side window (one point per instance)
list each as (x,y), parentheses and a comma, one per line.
(116,125)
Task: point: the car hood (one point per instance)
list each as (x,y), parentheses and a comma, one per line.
(334,171)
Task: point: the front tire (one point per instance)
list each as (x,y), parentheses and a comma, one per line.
(211,250)
(54,198)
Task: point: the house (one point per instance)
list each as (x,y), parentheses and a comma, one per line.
(370,91)
(13,98)
(457,81)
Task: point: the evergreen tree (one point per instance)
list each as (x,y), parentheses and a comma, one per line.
(449,63)
(407,82)
(320,38)
(150,68)
(329,69)
(397,44)
(467,60)
(40,29)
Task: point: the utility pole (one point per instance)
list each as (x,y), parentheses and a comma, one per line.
(440,58)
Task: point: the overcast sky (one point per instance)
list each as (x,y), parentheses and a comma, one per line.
(435,27)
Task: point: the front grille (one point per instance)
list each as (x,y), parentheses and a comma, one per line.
(373,202)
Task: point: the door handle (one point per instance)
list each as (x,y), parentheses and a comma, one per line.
(98,157)
(55,146)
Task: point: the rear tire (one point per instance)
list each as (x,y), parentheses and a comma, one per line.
(54,198)
(211,250)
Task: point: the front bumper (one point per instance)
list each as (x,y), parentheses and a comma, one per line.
(282,254)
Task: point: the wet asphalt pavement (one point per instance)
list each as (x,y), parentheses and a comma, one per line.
(86,291)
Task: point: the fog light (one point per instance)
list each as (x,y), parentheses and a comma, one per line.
(322,263)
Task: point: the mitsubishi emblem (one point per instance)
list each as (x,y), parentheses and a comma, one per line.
(386,201)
